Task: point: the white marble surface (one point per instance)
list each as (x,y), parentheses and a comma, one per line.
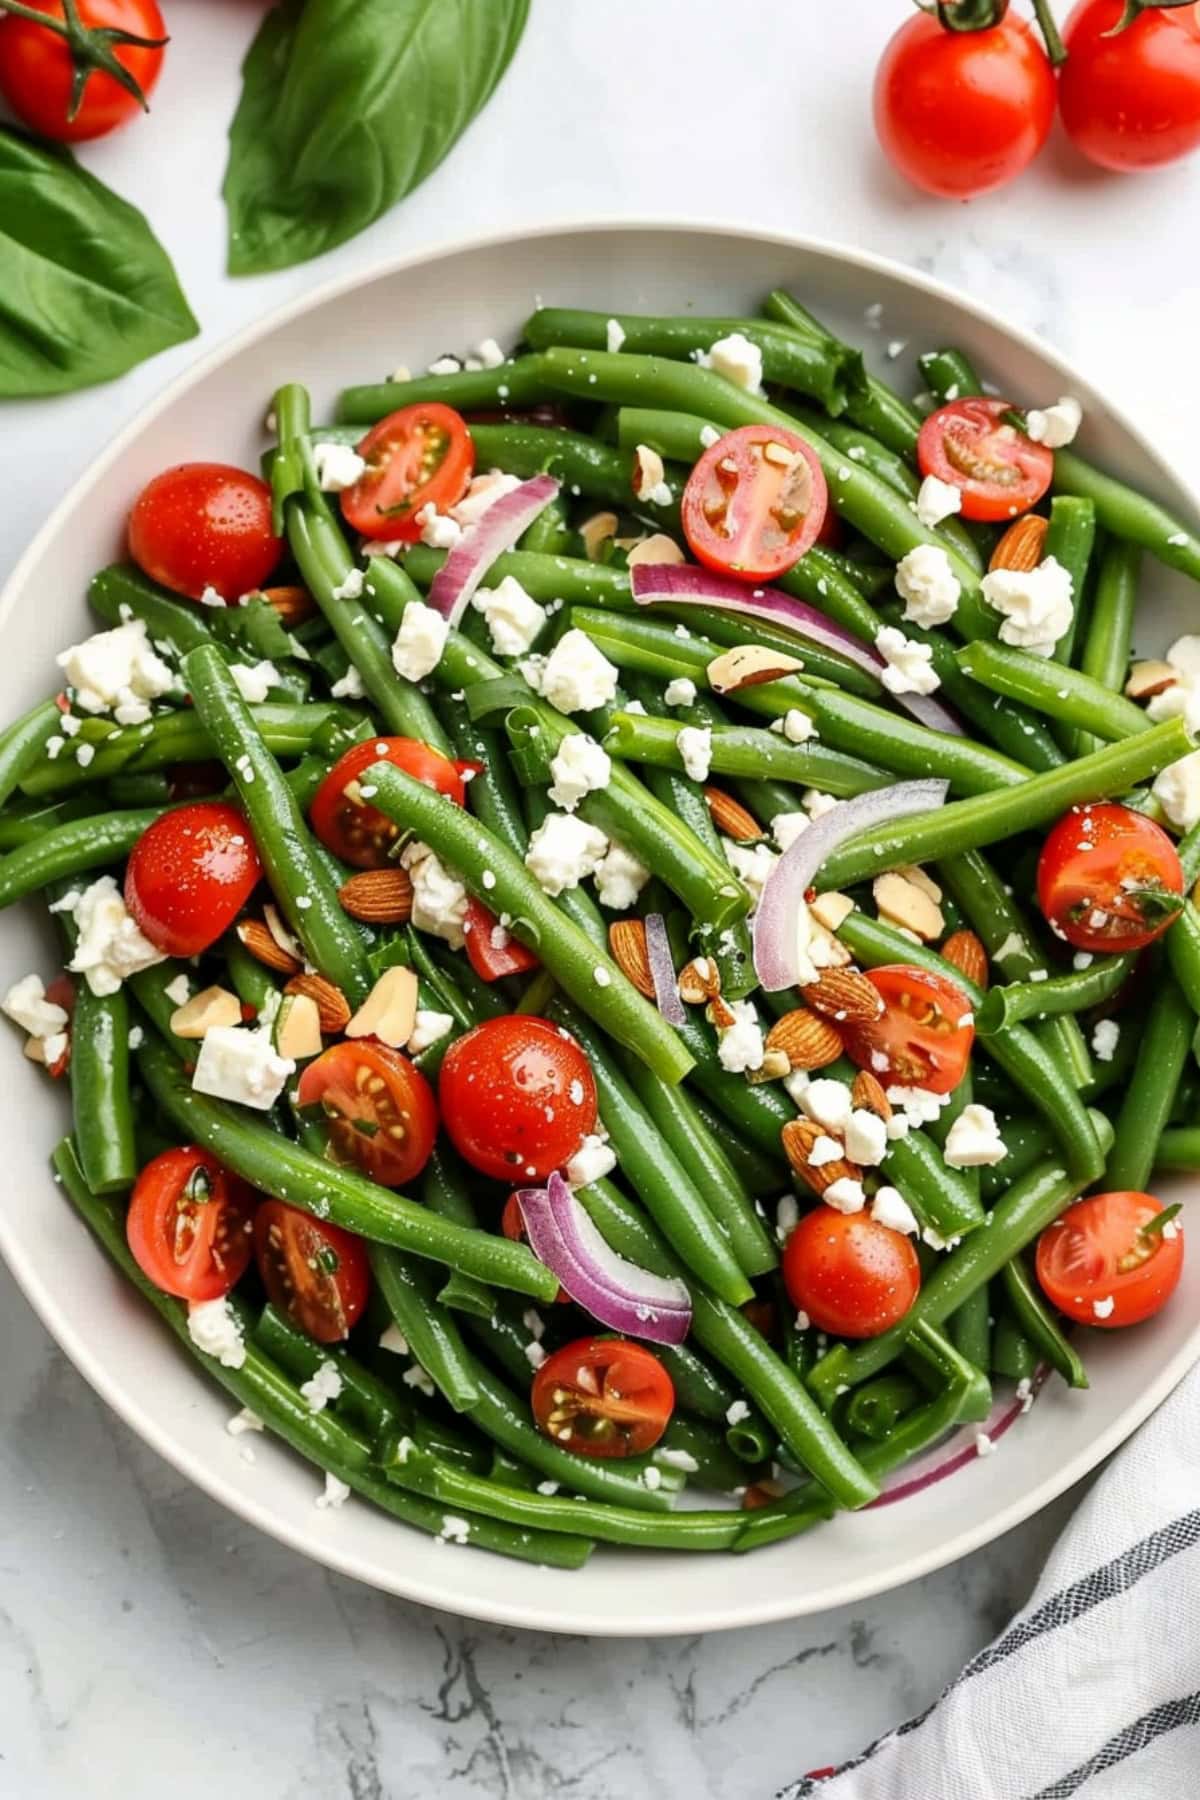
(148,1641)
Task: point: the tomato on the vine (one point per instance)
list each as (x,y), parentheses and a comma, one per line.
(343,817)
(853,1276)
(603,1397)
(1130,99)
(190,1224)
(72,97)
(754,502)
(973,445)
(962,112)
(420,456)
(517,1097)
(315,1273)
(1109,879)
(923,1036)
(1110,1260)
(190,874)
(378,1107)
(205,526)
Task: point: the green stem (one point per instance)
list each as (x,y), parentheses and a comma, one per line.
(1056,50)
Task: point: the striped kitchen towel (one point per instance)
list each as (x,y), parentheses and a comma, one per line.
(1094,1689)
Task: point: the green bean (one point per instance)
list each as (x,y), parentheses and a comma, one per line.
(750,1439)
(583,465)
(364,1400)
(741,750)
(1069,540)
(550,533)
(431,1335)
(23,745)
(277,1166)
(758,1112)
(697,1441)
(889,418)
(294,870)
(1059,994)
(983,819)
(1150,1093)
(699,1387)
(1129,515)
(73,849)
(875,1409)
(1038,1325)
(1026,1141)
(24,821)
(574,962)
(444,1192)
(970,1328)
(760,1172)
(495,797)
(1178,1148)
(1109,635)
(949,375)
(1016,1220)
(99,1069)
(545,578)
(122,589)
(518,383)
(320,1437)
(828,371)
(1067,694)
(1012,1353)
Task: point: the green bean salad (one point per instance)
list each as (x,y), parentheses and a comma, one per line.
(627,925)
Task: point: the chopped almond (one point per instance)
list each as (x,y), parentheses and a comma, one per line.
(211,1006)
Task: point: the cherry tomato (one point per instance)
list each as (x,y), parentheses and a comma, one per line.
(190,1224)
(492,950)
(190,874)
(853,1276)
(754,502)
(517,1097)
(924,1035)
(602,1397)
(379,1108)
(314,1272)
(1131,99)
(37,72)
(512,1226)
(350,826)
(205,525)
(1109,879)
(1000,471)
(961,112)
(1099,1264)
(420,456)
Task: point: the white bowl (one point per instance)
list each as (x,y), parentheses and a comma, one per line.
(352,331)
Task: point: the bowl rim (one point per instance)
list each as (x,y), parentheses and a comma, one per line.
(81,1351)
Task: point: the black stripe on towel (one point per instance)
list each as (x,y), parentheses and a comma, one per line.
(1134,1737)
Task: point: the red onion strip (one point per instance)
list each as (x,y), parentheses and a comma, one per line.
(958,1451)
(499,528)
(662,970)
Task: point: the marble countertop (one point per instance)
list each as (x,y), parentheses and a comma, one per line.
(149,1641)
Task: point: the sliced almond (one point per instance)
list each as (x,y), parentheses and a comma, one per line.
(1149,678)
(211,1006)
(258,941)
(35,1050)
(1022,545)
(731,817)
(966,952)
(648,471)
(293,604)
(806,1039)
(774,1066)
(332,1004)
(699,981)
(748,665)
(627,941)
(845,996)
(918,876)
(298,1028)
(831,910)
(597,531)
(720,1013)
(826,951)
(867,1095)
(288,943)
(389,1011)
(799,1137)
(378,896)
(657,548)
(901,902)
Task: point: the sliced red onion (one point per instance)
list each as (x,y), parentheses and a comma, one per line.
(957,1451)
(662,970)
(617,1293)
(497,531)
(782,911)
(657,584)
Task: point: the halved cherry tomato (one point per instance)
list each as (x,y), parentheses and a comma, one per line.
(190,874)
(422,455)
(205,525)
(38,72)
(853,1276)
(602,1397)
(517,1097)
(354,829)
(754,502)
(1000,471)
(512,1226)
(492,949)
(1109,879)
(1101,1266)
(190,1224)
(379,1108)
(316,1273)
(924,1035)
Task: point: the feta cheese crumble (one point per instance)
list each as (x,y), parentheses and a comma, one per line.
(577,677)
(909,665)
(322,1387)
(438,530)
(254,681)
(117,669)
(751,863)
(614,336)
(1105,1039)
(563,851)
(1177,790)
(890,1208)
(594,1159)
(620,878)
(737,359)
(338,466)
(420,641)
(514,618)
(1104,1309)
(109,945)
(845,1195)
(925,581)
(579,767)
(26,1004)
(827,1103)
(694,744)
(1035,604)
(335,1493)
(1055,425)
(680,692)
(241,1065)
(974,1141)
(439,904)
(936,500)
(428,1028)
(215,1328)
(741,1046)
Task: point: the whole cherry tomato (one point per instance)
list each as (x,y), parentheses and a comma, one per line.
(38,74)
(205,528)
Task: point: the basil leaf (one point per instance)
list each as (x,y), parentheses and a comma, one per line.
(252,629)
(86,289)
(346,106)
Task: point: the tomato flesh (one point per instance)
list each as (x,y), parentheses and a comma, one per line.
(420,456)
(1130,99)
(37,74)
(205,525)
(379,1109)
(517,1097)
(853,1276)
(190,874)
(190,1224)
(1100,1266)
(315,1273)
(602,1397)
(754,502)
(971,444)
(1109,879)
(492,949)
(924,1035)
(347,823)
